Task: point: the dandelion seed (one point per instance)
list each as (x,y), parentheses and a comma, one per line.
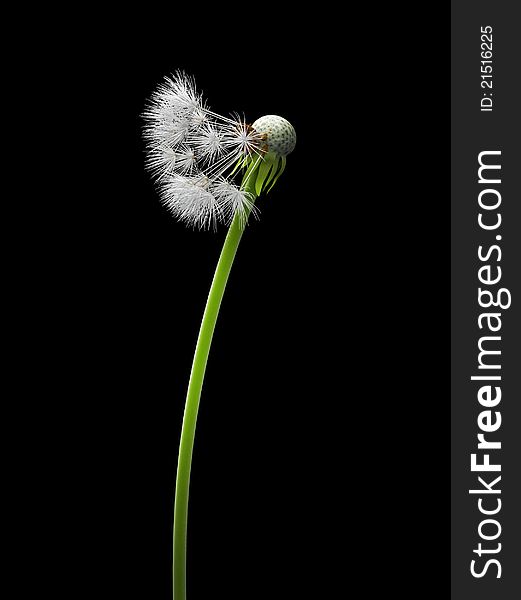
(185,160)
(242,138)
(161,161)
(170,131)
(165,160)
(190,201)
(182,93)
(234,201)
(207,142)
(199,117)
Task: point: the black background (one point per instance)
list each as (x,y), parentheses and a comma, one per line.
(321,452)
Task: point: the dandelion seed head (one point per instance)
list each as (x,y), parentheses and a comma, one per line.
(280,136)
(193,153)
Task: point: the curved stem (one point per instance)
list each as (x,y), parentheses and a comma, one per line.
(202,350)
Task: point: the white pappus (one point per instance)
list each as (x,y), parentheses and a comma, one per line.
(191,152)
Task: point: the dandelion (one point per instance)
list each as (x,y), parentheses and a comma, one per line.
(194,155)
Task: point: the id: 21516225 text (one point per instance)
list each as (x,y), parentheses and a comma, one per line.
(487,83)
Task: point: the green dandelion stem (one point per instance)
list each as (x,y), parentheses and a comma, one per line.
(195,385)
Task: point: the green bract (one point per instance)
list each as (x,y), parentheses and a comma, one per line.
(262,172)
